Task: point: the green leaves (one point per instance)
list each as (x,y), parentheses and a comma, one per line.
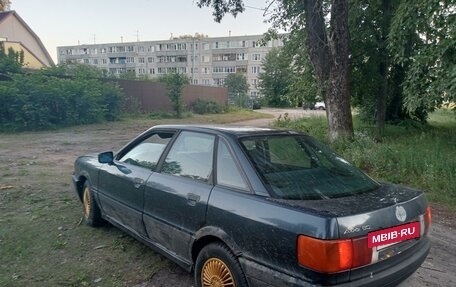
(54,97)
(237,87)
(174,84)
(423,40)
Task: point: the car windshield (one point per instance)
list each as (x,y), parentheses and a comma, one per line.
(298,167)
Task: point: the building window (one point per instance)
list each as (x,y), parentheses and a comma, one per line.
(255,70)
(95,61)
(223,70)
(206,58)
(219,82)
(256,57)
(141,60)
(104,61)
(241,57)
(241,69)
(150,59)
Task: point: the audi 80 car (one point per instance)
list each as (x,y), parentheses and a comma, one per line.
(256,207)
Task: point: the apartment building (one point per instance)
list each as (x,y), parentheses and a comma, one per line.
(206,61)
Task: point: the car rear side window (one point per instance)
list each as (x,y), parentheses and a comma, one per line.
(191,156)
(298,167)
(228,173)
(147,153)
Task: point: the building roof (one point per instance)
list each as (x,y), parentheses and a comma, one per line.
(6,14)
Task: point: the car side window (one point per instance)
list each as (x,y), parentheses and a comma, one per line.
(228,173)
(191,156)
(147,153)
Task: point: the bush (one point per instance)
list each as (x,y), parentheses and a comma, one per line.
(206,107)
(38,101)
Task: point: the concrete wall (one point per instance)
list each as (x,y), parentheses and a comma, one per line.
(150,96)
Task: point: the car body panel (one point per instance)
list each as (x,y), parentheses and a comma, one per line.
(121,194)
(175,215)
(174,209)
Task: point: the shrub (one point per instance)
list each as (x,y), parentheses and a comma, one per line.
(39,101)
(206,107)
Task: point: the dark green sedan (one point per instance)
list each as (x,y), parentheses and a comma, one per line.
(256,207)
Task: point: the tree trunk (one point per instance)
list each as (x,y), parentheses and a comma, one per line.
(382,92)
(383,68)
(330,59)
(338,95)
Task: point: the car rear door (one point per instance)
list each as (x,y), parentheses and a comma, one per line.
(122,183)
(176,197)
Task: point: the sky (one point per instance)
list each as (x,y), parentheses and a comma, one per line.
(65,22)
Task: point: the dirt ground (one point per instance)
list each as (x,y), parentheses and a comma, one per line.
(56,152)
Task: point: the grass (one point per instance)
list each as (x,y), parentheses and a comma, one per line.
(417,155)
(42,240)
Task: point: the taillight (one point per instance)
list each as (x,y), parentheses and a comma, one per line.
(331,256)
(427,219)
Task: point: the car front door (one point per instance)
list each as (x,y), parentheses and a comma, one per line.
(176,197)
(122,183)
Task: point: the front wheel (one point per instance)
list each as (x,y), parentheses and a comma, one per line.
(216,266)
(92,213)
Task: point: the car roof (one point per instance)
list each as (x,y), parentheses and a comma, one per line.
(237,131)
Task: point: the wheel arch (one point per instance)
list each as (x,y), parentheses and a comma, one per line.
(82,178)
(208,235)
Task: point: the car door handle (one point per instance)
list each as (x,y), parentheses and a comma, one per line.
(138,182)
(192,199)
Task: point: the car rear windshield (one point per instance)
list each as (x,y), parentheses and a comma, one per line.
(298,167)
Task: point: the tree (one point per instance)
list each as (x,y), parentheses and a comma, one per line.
(390,40)
(5,5)
(174,84)
(10,61)
(275,78)
(369,22)
(303,87)
(237,87)
(422,39)
(328,48)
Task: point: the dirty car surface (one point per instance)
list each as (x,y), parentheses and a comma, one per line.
(256,207)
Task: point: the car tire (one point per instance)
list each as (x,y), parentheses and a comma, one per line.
(216,265)
(92,213)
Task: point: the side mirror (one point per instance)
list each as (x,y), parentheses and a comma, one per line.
(106,157)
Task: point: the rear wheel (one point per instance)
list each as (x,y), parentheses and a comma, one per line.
(216,266)
(92,213)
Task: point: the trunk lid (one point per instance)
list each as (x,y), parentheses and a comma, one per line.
(387,206)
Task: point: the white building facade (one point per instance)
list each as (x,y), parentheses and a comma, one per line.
(206,61)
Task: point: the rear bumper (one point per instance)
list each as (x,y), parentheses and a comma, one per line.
(262,276)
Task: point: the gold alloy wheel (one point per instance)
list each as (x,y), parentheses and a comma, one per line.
(215,273)
(86,201)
